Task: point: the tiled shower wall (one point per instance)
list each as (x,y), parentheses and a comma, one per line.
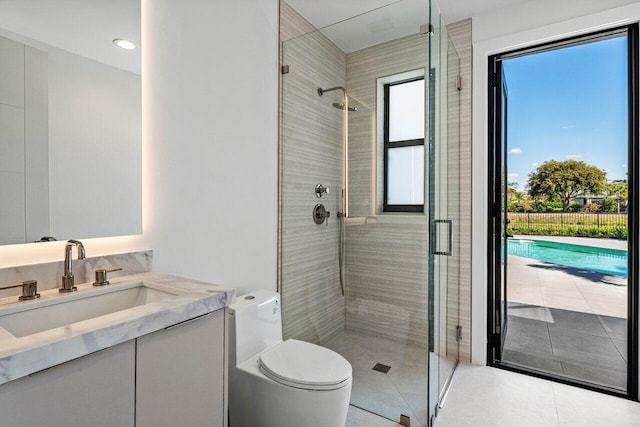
(312,136)
(460,34)
(386,264)
(386,254)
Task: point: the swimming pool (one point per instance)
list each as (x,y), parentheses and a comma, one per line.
(608,261)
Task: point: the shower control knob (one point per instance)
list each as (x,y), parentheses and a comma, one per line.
(320,214)
(321,189)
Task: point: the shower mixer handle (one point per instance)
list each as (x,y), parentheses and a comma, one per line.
(321,189)
(320,214)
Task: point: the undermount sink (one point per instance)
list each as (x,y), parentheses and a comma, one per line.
(89,303)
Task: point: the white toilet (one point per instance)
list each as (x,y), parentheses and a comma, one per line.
(275,383)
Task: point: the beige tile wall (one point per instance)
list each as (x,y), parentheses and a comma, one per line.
(386,259)
(312,137)
(386,256)
(460,34)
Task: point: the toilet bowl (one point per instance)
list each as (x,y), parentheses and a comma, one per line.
(281,383)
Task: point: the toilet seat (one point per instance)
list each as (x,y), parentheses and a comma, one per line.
(306,366)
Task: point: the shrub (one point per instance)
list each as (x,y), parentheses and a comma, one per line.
(606,231)
(574,207)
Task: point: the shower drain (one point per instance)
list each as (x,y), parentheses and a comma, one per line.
(381,368)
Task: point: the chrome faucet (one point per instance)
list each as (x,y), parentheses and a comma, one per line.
(67,277)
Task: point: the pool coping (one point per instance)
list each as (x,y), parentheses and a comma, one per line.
(583,241)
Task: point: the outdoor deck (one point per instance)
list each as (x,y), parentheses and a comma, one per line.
(567,320)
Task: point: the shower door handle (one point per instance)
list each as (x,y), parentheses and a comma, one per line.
(436,240)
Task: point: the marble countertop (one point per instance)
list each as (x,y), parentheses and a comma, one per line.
(21,356)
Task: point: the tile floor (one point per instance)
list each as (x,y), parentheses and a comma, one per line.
(580,345)
(490,397)
(402,390)
(357,417)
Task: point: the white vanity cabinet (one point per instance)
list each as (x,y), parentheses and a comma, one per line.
(149,350)
(181,376)
(175,376)
(97,390)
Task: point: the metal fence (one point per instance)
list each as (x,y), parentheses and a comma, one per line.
(561,220)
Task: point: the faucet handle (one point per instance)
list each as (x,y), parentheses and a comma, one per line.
(29,289)
(101,276)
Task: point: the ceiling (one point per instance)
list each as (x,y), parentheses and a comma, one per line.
(357,24)
(87,27)
(326,12)
(83,27)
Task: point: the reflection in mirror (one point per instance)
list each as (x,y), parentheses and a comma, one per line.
(70,120)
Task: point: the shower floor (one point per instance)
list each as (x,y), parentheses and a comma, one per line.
(402,390)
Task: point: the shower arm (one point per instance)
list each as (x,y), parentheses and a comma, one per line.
(331,89)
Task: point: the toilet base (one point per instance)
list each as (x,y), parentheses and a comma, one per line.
(255,400)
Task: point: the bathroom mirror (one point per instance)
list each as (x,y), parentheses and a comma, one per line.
(70,120)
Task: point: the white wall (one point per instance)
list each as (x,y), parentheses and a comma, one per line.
(497,33)
(210,89)
(210,145)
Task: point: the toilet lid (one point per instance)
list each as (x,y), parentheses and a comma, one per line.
(304,365)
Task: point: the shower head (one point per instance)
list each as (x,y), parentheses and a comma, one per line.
(342,106)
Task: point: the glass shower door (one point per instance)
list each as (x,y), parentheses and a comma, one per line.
(444,213)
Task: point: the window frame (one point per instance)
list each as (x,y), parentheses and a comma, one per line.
(387,145)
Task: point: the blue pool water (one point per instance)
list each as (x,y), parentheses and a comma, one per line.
(608,261)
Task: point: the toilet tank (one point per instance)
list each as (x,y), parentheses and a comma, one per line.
(255,324)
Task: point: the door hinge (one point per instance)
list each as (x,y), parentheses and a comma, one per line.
(459,82)
(285,69)
(494,80)
(458,333)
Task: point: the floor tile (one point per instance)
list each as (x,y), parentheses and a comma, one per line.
(621,345)
(581,348)
(596,374)
(616,327)
(578,407)
(489,397)
(401,391)
(577,321)
(357,417)
(483,396)
(546,363)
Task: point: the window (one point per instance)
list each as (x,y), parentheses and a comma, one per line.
(404,127)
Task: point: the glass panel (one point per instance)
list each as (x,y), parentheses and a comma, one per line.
(406,111)
(362,290)
(405,180)
(445,195)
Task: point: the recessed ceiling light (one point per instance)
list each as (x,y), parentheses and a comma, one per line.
(124,44)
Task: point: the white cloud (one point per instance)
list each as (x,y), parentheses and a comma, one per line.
(574,156)
(535,164)
(514,176)
(568,127)
(515,151)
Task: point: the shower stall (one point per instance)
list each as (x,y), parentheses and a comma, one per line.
(370,200)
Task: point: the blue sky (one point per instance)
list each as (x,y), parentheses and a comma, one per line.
(568,103)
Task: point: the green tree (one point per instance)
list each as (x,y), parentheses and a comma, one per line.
(563,181)
(620,189)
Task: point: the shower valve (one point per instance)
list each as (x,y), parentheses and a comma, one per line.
(320,214)
(321,189)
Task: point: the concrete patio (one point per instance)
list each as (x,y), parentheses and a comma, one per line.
(567,320)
